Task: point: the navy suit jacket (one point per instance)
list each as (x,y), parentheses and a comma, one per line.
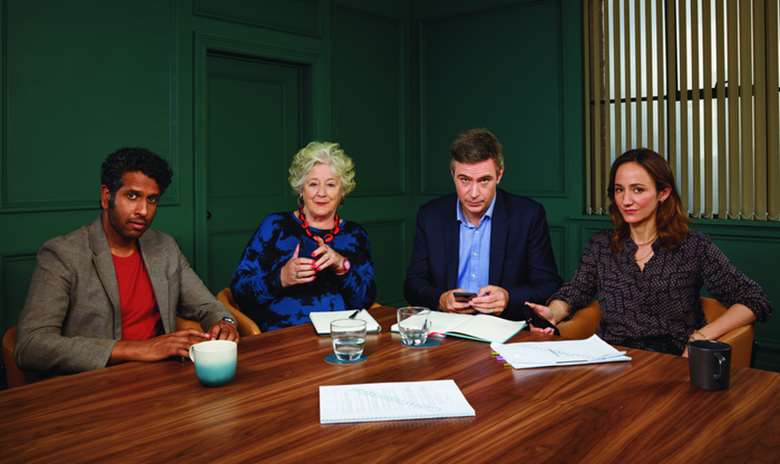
(521,257)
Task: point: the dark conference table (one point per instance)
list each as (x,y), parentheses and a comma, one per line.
(639,411)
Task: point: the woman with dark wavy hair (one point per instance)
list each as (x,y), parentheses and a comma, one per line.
(648,271)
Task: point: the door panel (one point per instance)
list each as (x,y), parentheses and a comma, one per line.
(253,129)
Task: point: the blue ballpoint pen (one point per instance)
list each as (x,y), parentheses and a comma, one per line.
(353,315)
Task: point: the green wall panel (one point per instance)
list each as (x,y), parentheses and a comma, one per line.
(240,103)
(498,68)
(367,98)
(16,271)
(558,241)
(81,82)
(387,249)
(296,16)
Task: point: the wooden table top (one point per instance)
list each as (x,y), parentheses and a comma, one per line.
(639,411)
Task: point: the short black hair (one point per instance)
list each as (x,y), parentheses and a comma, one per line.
(134,159)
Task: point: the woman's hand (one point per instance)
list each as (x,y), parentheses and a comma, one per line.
(544,312)
(327,257)
(297,270)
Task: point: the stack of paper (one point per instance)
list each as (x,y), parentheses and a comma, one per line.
(564,353)
(322,320)
(392,401)
(480,327)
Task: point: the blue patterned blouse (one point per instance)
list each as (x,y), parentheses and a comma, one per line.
(256,284)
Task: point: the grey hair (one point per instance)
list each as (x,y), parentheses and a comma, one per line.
(329,153)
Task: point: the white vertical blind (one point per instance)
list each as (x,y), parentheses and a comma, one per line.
(697,81)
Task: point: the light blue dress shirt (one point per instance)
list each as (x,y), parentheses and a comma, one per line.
(474,253)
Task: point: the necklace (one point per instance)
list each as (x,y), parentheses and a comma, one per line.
(329,236)
(651,240)
(645,257)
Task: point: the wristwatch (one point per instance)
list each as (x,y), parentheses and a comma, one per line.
(229,320)
(345,265)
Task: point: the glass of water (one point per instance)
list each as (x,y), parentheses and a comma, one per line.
(349,337)
(413,324)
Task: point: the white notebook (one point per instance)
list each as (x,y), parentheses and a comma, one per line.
(525,355)
(480,327)
(370,402)
(322,320)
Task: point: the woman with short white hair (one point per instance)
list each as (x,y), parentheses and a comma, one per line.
(309,259)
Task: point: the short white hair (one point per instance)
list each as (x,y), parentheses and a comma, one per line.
(329,153)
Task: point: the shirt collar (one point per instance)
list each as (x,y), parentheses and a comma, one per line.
(462,219)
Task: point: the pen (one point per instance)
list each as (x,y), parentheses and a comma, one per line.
(353,315)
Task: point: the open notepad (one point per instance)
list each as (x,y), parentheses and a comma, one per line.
(480,327)
(526,355)
(370,402)
(322,320)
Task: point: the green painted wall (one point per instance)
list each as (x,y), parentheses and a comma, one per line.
(393,81)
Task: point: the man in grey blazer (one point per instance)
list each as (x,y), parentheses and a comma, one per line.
(110,291)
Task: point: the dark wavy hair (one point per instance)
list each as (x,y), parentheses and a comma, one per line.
(671,220)
(133,159)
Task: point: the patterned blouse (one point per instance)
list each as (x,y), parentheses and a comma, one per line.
(256,284)
(657,309)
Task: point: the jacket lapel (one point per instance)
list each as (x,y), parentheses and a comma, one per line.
(452,247)
(155,266)
(104,266)
(499,230)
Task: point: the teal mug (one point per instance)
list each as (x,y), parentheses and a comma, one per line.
(215,361)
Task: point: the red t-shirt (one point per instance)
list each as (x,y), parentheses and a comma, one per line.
(140,316)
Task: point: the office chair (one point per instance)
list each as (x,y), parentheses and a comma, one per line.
(246,326)
(14,376)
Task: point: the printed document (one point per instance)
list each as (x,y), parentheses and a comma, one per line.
(526,355)
(369,402)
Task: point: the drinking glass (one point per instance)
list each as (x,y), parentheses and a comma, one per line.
(413,324)
(349,338)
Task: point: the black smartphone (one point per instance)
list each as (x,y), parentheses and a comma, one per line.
(464,297)
(541,322)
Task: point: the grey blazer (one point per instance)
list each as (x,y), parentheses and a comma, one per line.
(71,319)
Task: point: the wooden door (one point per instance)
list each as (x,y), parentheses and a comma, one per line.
(254,114)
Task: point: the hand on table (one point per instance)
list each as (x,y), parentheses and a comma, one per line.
(158,348)
(224,330)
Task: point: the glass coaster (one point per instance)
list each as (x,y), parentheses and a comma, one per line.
(331,359)
(430,343)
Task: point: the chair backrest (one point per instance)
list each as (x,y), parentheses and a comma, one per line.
(14,376)
(740,339)
(584,323)
(246,326)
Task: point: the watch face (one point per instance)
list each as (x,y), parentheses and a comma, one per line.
(229,320)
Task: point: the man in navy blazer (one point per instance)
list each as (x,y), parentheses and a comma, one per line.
(481,249)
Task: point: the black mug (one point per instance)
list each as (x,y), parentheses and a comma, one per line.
(709,362)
